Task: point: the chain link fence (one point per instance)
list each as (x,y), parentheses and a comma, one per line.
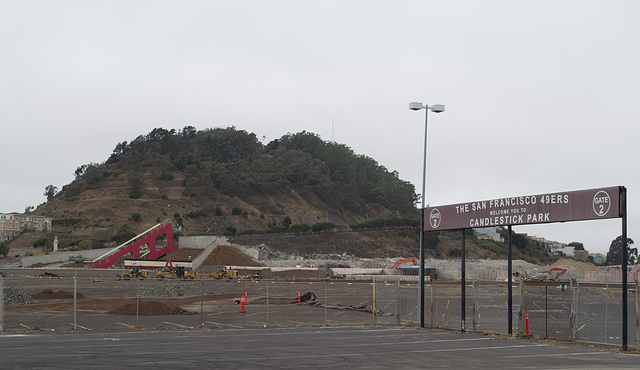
(582,312)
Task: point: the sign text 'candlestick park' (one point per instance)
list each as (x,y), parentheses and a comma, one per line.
(530,209)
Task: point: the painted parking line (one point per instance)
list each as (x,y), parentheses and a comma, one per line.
(537,355)
(24,326)
(80,326)
(306,355)
(178,325)
(221,324)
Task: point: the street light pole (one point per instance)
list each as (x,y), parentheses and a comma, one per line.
(436,108)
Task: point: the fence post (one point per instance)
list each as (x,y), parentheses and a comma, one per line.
(546,309)
(325,303)
(637,312)
(267,281)
(574,310)
(398,300)
(138,301)
(587,311)
(606,313)
(475,305)
(75,299)
(1,303)
(201,302)
(521,308)
(433,287)
(373,310)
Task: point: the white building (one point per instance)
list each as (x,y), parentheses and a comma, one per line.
(492,233)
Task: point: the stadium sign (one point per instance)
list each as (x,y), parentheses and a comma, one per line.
(525,210)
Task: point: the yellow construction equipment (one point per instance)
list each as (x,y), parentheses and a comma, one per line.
(254,276)
(134,273)
(190,275)
(177,273)
(166,274)
(224,272)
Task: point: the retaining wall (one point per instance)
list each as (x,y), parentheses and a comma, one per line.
(206,242)
(88,254)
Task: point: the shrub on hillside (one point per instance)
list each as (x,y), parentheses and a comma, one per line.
(322,226)
(300,228)
(230,230)
(40,242)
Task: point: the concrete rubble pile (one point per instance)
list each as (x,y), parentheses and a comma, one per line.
(172,290)
(16,297)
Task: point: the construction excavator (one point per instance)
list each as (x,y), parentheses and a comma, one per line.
(412,260)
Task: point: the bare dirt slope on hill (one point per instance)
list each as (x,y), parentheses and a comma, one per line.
(183,254)
(578,265)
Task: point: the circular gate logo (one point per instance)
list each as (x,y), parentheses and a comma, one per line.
(601,203)
(435,218)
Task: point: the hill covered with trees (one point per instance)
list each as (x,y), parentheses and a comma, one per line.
(226,181)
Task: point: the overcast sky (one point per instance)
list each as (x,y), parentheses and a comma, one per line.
(541,96)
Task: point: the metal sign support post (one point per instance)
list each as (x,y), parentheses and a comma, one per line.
(421,271)
(509,288)
(424,191)
(623,213)
(462,285)
(589,204)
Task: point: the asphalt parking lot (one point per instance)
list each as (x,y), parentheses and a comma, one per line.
(343,347)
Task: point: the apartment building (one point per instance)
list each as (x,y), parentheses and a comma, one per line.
(11,224)
(581,254)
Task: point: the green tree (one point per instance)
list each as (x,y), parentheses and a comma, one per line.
(135,180)
(124,234)
(577,245)
(321,226)
(300,228)
(287,222)
(4,248)
(136,217)
(179,221)
(615,250)
(49,192)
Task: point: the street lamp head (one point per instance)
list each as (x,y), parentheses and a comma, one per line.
(415,105)
(437,108)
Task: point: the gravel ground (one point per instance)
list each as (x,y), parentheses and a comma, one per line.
(16,297)
(172,290)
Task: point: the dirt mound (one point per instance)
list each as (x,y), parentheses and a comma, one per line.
(578,265)
(149,308)
(60,294)
(227,255)
(182,254)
